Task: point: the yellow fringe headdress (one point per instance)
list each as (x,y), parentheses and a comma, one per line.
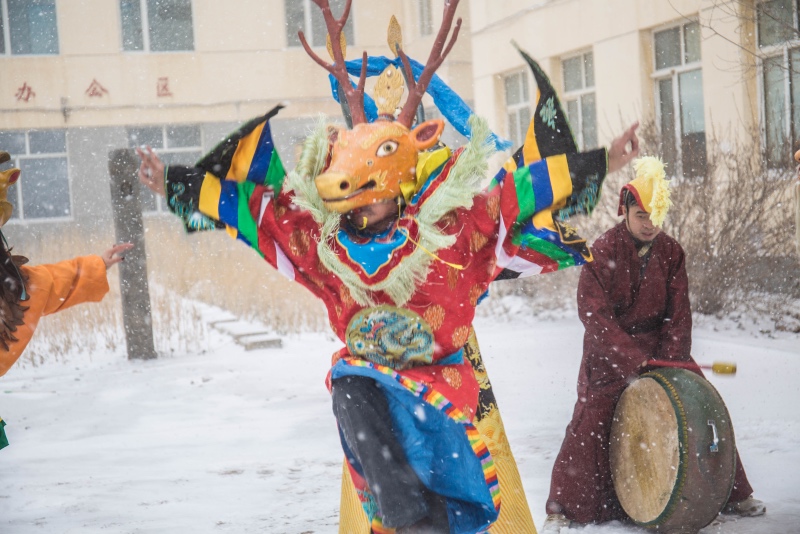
(650,188)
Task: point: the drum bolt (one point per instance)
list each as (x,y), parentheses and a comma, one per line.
(714,447)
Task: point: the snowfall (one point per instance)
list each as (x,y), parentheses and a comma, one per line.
(233,441)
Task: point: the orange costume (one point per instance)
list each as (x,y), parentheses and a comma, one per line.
(29,293)
(53,288)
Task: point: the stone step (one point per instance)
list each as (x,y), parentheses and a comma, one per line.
(246,334)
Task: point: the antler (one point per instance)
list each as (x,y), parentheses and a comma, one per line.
(416,90)
(355,97)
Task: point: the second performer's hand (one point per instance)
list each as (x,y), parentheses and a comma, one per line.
(151,170)
(115,254)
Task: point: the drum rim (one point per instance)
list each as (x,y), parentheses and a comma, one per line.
(683,440)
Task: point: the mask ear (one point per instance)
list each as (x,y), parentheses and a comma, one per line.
(333,134)
(427,134)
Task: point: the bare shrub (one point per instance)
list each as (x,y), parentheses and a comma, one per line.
(213,268)
(91,329)
(182,270)
(734,223)
(87,329)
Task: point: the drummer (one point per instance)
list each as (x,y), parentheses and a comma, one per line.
(634,304)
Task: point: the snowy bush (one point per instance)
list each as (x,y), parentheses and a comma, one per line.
(735,224)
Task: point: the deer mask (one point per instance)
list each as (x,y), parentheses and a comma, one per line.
(375,162)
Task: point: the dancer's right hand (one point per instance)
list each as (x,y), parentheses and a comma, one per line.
(151,170)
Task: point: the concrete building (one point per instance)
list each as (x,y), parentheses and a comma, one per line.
(691,68)
(81,77)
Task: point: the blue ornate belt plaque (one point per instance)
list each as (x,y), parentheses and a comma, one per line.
(394,337)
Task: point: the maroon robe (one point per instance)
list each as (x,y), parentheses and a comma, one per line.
(629,318)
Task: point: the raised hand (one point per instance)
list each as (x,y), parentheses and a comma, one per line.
(113,256)
(618,153)
(151,170)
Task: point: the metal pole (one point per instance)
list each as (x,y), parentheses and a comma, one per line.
(128,227)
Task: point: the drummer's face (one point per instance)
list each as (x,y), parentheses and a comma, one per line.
(640,225)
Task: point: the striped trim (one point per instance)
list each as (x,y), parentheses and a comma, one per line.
(228,203)
(248,230)
(283,263)
(440,402)
(541,185)
(258,170)
(210,192)
(503,259)
(525,179)
(560,179)
(540,177)
(266,198)
(530,147)
(245,153)
(276,174)
(378,528)
(548,243)
(256,160)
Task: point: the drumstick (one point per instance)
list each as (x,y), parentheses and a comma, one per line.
(718,368)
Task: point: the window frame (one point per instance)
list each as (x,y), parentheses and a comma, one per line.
(6,33)
(143,12)
(6,30)
(578,94)
(508,109)
(19,208)
(782,50)
(308,27)
(161,202)
(425,25)
(673,73)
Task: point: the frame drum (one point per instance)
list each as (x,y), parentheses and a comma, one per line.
(672,451)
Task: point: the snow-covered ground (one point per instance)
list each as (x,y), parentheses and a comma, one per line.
(234,441)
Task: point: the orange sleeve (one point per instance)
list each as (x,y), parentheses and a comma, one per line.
(53,288)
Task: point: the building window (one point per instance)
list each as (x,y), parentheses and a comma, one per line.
(679,96)
(176,145)
(28,27)
(779,40)
(425,18)
(43,190)
(579,98)
(303,15)
(157,25)
(518,110)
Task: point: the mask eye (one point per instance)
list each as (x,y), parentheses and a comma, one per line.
(387,148)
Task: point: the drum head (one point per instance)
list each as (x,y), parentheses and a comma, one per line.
(672,451)
(644,452)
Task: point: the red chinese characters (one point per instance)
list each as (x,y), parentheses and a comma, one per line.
(162,88)
(24,93)
(95,90)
